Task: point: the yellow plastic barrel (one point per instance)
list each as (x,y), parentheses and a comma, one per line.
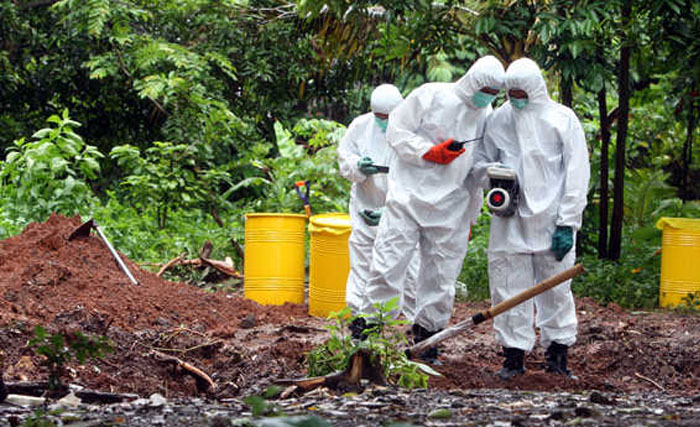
(680,259)
(275,251)
(329,265)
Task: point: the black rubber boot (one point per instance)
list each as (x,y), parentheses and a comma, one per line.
(556,359)
(513,364)
(431,354)
(357,327)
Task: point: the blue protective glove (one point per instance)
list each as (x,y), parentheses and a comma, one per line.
(371,217)
(562,241)
(366,166)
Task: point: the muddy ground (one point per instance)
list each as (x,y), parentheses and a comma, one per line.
(76,285)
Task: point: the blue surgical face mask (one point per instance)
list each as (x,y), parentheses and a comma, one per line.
(518,103)
(482,99)
(382,123)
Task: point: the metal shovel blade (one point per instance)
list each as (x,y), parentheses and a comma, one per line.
(84,231)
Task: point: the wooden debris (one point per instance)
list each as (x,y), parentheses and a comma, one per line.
(651,381)
(89,396)
(204,382)
(170,263)
(27,388)
(222,267)
(288,391)
(303,329)
(39,388)
(225,267)
(206,250)
(359,368)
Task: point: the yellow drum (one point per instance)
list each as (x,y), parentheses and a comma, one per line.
(275,250)
(680,259)
(330,262)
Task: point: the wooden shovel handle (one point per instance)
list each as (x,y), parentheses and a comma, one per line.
(497,309)
(529,293)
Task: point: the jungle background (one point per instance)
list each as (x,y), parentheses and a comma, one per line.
(168,120)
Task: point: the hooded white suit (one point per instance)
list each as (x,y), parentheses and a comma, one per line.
(545,145)
(365,138)
(430,204)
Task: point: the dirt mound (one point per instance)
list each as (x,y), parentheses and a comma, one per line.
(44,275)
(77,285)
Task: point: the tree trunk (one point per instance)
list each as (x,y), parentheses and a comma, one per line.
(686,193)
(604,169)
(566,92)
(615,248)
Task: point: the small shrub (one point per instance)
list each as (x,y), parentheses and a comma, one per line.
(384,342)
(690,304)
(58,349)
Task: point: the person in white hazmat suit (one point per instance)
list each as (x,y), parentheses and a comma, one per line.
(429,202)
(361,150)
(543,143)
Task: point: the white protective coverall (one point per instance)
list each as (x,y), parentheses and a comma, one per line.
(364,138)
(545,145)
(430,204)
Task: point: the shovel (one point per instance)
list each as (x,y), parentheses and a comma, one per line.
(84,231)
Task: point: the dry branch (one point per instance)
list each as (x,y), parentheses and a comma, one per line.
(204,382)
(170,263)
(203,260)
(222,267)
(651,381)
(219,265)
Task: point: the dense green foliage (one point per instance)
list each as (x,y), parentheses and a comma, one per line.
(169,120)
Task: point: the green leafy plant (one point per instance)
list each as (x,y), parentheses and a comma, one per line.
(319,133)
(59,349)
(645,189)
(38,419)
(50,172)
(166,177)
(261,407)
(275,188)
(475,273)
(384,342)
(690,303)
(334,354)
(631,282)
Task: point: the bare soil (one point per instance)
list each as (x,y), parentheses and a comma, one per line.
(76,285)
